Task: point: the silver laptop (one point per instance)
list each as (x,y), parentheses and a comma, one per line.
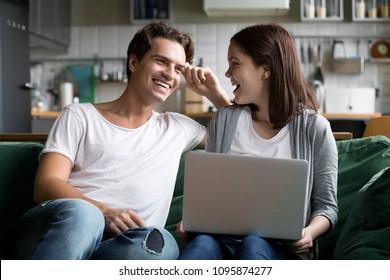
(241,195)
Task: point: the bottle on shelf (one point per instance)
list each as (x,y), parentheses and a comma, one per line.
(309,9)
(360,9)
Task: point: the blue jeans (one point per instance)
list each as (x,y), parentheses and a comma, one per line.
(73,229)
(218,247)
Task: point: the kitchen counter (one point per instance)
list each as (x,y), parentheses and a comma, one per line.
(347,116)
(45,114)
(208,115)
(42,121)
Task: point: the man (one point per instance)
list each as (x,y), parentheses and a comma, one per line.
(107,172)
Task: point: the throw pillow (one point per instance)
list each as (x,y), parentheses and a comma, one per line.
(366,232)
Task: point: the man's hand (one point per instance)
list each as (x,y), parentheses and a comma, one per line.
(118,221)
(204,82)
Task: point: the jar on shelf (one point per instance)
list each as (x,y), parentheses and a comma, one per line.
(321,8)
(332,8)
(372,11)
(383,6)
(360,9)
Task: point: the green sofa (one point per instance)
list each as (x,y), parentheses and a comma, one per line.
(362,232)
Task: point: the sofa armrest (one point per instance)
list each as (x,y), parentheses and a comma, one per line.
(18,164)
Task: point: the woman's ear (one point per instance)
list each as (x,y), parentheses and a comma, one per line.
(266,73)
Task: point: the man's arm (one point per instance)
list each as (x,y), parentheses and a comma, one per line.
(51,182)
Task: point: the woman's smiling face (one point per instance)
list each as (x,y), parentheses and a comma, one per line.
(246,76)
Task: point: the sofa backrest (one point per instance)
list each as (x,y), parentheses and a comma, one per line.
(18,164)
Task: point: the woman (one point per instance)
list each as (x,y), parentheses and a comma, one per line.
(274,115)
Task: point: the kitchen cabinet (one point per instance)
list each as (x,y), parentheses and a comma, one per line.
(49,24)
(322,10)
(42,124)
(143,10)
(43,121)
(370,10)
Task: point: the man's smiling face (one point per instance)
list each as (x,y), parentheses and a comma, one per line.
(159,72)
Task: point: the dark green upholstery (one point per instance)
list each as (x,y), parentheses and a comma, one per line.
(359,160)
(175,211)
(18,163)
(363,218)
(366,233)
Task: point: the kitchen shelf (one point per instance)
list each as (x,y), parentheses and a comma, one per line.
(311,11)
(380,60)
(145,10)
(49,24)
(361,12)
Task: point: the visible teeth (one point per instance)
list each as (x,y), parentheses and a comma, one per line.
(162,84)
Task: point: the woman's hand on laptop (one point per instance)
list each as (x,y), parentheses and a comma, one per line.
(317,227)
(302,245)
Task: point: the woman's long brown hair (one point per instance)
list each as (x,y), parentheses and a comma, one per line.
(271,45)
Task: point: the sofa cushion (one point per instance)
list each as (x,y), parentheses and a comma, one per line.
(18,163)
(359,160)
(175,211)
(366,232)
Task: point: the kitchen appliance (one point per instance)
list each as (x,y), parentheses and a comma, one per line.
(245,7)
(353,100)
(15,96)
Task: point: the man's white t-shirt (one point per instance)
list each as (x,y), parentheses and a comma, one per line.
(124,168)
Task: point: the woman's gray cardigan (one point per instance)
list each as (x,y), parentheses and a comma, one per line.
(312,140)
